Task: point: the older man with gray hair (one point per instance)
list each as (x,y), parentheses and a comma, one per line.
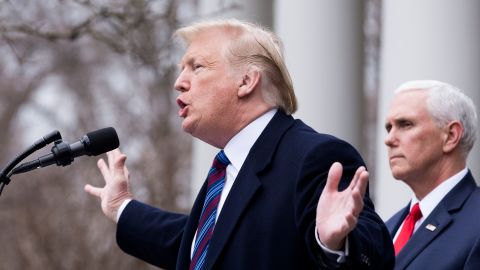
(431,129)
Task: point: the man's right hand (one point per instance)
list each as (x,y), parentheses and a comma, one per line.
(117,187)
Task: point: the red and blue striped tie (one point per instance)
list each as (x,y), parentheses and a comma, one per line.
(215,183)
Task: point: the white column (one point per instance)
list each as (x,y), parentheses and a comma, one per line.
(251,10)
(428,39)
(324,53)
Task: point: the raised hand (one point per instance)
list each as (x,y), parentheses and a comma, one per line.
(117,188)
(337,212)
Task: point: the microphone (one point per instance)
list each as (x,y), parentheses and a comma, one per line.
(49,138)
(62,154)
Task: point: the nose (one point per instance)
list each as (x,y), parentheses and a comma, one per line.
(390,138)
(182,84)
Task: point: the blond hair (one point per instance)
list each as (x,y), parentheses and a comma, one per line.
(252,46)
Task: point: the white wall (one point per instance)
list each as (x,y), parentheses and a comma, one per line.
(323,46)
(428,39)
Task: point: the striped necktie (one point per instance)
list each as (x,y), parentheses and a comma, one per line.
(215,183)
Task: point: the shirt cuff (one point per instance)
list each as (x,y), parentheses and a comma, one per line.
(122,207)
(342,255)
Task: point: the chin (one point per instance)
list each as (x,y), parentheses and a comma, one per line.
(397,173)
(187,128)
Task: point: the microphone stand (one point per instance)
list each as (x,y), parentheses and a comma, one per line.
(4,180)
(6,173)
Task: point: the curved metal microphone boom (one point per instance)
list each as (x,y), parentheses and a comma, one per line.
(62,154)
(7,171)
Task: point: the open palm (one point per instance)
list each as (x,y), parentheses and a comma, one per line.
(338,211)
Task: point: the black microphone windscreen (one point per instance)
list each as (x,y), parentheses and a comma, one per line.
(101,141)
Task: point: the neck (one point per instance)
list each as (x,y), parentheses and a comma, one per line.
(247,115)
(241,118)
(424,183)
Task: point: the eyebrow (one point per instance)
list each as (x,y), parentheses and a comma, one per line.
(190,59)
(399,120)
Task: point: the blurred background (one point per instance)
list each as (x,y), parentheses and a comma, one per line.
(80,65)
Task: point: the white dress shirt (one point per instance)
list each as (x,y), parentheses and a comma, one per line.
(432,199)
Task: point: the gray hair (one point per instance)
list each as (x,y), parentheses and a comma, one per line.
(253,45)
(446,103)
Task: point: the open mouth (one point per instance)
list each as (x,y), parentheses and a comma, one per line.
(181,104)
(183,108)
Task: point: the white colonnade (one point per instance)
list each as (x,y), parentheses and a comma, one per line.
(428,39)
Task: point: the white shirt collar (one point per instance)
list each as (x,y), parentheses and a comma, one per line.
(239,146)
(429,202)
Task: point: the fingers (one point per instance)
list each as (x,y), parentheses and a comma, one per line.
(103,169)
(112,157)
(356,177)
(362,183)
(334,175)
(358,190)
(116,164)
(94,191)
(119,164)
(359,181)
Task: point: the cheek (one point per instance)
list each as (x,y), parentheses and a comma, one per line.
(211,105)
(413,150)
(223,97)
(414,153)
(421,153)
(202,97)
(213,94)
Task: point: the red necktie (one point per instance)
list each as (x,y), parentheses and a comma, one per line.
(407,229)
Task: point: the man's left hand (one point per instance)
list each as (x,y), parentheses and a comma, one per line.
(338,211)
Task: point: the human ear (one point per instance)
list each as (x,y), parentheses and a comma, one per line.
(453,134)
(249,82)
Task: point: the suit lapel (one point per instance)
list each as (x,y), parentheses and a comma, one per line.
(238,199)
(183,260)
(440,218)
(393,224)
(246,184)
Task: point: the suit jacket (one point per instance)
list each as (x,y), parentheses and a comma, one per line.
(268,219)
(453,242)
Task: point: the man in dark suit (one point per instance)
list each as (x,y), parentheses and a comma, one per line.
(263,193)
(431,129)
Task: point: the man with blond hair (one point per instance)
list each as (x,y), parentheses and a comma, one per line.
(260,207)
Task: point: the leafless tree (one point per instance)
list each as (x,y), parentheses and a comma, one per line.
(76,66)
